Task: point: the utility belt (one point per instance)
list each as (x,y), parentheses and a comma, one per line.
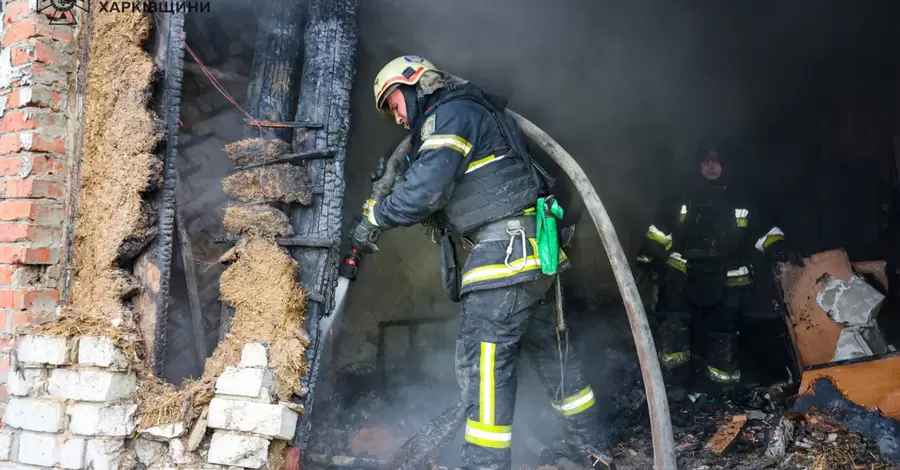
(540,226)
(502,230)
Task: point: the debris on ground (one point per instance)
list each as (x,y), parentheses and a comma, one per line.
(772,437)
(275,183)
(724,437)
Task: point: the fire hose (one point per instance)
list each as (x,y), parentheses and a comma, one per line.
(661,426)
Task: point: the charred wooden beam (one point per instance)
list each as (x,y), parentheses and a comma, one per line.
(153,268)
(272,92)
(291,124)
(328,71)
(295,158)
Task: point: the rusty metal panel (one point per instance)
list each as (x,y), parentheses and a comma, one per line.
(814,333)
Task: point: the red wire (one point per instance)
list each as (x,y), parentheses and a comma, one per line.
(215,83)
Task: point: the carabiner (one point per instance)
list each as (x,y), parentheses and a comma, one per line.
(509,248)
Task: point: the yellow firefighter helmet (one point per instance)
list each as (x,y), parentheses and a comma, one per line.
(404,70)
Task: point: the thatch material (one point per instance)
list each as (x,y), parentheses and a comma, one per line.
(262,287)
(275,183)
(117,164)
(256,150)
(257,220)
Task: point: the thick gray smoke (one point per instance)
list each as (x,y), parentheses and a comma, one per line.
(628,88)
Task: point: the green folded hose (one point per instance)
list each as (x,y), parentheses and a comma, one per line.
(548,210)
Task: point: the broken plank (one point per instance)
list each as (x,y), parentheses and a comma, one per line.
(307,242)
(190,277)
(290,124)
(292,158)
(725,436)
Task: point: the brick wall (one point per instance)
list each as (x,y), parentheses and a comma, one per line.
(37,61)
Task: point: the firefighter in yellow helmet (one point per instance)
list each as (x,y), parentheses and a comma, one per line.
(473,179)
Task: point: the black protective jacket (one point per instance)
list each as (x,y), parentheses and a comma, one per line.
(707,237)
(469,171)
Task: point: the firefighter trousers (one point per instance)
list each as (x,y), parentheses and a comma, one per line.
(498,324)
(700,338)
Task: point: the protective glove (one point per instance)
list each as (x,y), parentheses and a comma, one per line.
(782,253)
(365,234)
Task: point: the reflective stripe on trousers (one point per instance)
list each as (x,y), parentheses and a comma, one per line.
(577,403)
(722,377)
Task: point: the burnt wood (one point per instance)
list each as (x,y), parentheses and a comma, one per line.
(328,72)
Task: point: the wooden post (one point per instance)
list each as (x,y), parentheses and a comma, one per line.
(328,72)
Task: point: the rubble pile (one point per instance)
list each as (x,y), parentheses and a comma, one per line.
(745,430)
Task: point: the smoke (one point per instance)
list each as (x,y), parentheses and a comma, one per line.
(627,88)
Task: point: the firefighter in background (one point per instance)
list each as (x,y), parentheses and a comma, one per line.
(700,246)
(472,177)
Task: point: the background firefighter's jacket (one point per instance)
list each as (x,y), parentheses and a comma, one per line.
(464,175)
(709,241)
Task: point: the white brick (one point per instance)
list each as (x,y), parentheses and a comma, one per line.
(238,450)
(9,445)
(53,350)
(244,382)
(91,385)
(25,382)
(104,454)
(254,355)
(180,455)
(148,452)
(101,352)
(165,431)
(48,450)
(34,415)
(259,418)
(102,420)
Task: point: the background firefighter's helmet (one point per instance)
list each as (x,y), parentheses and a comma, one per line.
(713,150)
(404,70)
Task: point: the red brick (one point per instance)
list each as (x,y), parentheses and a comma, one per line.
(24,255)
(34,50)
(10,143)
(56,97)
(62,33)
(26,29)
(40,299)
(6,274)
(19,232)
(18,120)
(31,164)
(18,210)
(4,347)
(16,11)
(31,188)
(45,53)
(19,319)
(57,145)
(24,299)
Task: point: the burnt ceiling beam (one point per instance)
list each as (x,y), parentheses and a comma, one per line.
(328,72)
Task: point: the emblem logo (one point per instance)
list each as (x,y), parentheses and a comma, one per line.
(428,127)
